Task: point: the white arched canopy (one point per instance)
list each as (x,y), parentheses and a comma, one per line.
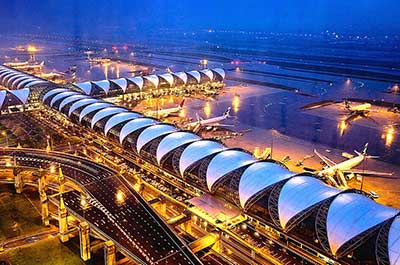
(174,140)
(195,74)
(121,83)
(71,99)
(224,163)
(135,125)
(351,214)
(105,113)
(93,107)
(62,95)
(197,151)
(86,87)
(81,103)
(182,76)
(169,78)
(118,119)
(153,132)
(53,92)
(220,71)
(21,94)
(153,79)
(103,84)
(298,194)
(208,73)
(137,80)
(258,177)
(394,242)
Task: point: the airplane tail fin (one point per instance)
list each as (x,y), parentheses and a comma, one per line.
(198,118)
(364,151)
(182,103)
(227,112)
(347,105)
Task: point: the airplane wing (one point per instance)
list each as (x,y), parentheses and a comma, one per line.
(222,125)
(325,159)
(367,172)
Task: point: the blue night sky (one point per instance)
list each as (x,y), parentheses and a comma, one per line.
(309,16)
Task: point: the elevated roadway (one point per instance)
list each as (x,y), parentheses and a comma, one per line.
(116,212)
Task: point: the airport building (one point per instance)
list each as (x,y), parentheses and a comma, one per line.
(328,223)
(344,225)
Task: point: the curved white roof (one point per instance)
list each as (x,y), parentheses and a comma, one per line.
(53,91)
(35,82)
(85,87)
(174,140)
(138,80)
(182,76)
(105,113)
(351,214)
(153,79)
(208,73)
(196,151)
(103,84)
(12,79)
(25,82)
(81,103)
(61,96)
(19,79)
(70,99)
(118,119)
(93,107)
(394,242)
(225,162)
(21,94)
(169,78)
(153,132)
(3,94)
(134,125)
(9,76)
(121,82)
(195,74)
(220,71)
(259,176)
(300,193)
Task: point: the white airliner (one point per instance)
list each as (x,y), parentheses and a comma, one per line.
(163,113)
(360,109)
(338,170)
(196,126)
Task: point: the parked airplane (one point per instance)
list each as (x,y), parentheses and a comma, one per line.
(163,113)
(339,170)
(363,108)
(196,126)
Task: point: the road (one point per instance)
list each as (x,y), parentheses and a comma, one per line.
(119,213)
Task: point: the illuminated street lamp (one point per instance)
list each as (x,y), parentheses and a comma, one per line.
(31,50)
(120,197)
(204,63)
(4,133)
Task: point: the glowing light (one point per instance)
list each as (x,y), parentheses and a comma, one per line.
(207,109)
(236,103)
(106,70)
(52,169)
(395,88)
(348,81)
(120,197)
(182,113)
(117,73)
(237,69)
(342,127)
(389,136)
(31,49)
(83,202)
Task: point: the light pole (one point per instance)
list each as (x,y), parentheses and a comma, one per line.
(4,133)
